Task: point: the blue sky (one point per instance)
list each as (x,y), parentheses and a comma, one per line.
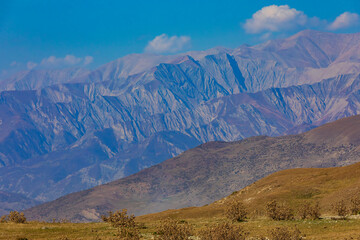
(57,34)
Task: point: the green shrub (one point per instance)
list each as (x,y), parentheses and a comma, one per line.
(236,211)
(14,217)
(170,229)
(119,219)
(279,212)
(3,219)
(125,224)
(223,231)
(341,209)
(308,211)
(355,205)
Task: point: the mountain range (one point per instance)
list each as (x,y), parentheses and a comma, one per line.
(209,172)
(63,131)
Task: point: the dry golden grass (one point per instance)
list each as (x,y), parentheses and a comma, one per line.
(36,230)
(318,229)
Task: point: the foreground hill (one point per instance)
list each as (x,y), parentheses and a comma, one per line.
(293,186)
(210,172)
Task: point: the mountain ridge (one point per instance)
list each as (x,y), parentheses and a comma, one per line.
(209,172)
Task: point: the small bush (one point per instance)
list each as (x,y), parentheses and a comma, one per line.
(173,230)
(279,212)
(341,209)
(3,219)
(223,231)
(236,211)
(119,219)
(304,210)
(314,211)
(355,205)
(14,217)
(284,233)
(308,211)
(125,224)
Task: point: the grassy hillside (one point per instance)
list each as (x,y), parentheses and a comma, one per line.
(293,187)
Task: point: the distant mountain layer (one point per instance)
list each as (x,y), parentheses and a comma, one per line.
(10,201)
(66,130)
(209,172)
(37,79)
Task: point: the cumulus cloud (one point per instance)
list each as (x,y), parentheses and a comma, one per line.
(88,60)
(31,65)
(275,18)
(345,20)
(58,62)
(165,44)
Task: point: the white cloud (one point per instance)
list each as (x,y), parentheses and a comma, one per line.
(165,44)
(275,18)
(72,60)
(345,20)
(88,60)
(31,65)
(58,62)
(53,61)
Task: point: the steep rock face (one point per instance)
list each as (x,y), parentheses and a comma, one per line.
(82,129)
